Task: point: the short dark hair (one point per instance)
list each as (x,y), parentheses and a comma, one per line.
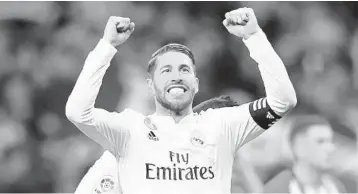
(167,48)
(214,103)
(301,124)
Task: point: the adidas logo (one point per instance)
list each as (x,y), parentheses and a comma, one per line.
(152,136)
(269,116)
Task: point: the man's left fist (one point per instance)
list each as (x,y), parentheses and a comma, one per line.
(241,22)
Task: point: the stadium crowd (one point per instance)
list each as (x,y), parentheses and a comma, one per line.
(43,46)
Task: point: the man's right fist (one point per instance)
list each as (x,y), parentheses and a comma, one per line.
(118,30)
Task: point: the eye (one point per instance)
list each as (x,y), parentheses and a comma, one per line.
(186,70)
(165,70)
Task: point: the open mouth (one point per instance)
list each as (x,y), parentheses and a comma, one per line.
(177,89)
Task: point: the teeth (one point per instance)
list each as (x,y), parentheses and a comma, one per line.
(176,91)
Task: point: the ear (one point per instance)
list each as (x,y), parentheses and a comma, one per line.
(196,85)
(150,85)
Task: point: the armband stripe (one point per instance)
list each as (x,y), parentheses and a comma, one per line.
(262,113)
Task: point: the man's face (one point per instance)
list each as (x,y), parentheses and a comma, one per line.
(315,146)
(174,83)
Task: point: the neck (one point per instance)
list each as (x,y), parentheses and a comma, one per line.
(307,174)
(177,116)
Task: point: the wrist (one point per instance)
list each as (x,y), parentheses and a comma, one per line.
(106,47)
(112,43)
(247,36)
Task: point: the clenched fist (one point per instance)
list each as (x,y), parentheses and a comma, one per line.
(241,22)
(118,30)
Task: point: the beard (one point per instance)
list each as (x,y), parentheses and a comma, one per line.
(174,105)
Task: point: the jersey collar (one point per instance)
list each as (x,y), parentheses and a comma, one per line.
(169,120)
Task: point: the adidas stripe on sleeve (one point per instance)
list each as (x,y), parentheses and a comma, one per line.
(262,113)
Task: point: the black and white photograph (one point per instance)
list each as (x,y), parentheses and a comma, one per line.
(178,97)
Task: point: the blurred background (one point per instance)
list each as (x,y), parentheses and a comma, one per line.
(43,46)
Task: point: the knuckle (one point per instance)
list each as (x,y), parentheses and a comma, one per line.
(118,19)
(239,12)
(126,20)
(250,10)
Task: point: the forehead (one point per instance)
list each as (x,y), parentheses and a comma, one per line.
(320,132)
(174,59)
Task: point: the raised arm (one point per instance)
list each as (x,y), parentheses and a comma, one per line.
(281,96)
(247,121)
(107,129)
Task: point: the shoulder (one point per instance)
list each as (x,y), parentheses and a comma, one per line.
(128,113)
(222,120)
(226,112)
(127,117)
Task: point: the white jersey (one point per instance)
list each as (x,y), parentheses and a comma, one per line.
(193,156)
(102,177)
(159,156)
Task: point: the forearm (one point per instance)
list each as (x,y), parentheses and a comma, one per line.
(280,93)
(81,101)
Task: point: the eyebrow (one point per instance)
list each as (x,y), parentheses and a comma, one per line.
(165,66)
(184,65)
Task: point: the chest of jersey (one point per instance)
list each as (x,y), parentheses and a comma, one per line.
(189,157)
(185,151)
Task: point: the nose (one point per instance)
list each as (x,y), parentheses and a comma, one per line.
(330,148)
(175,76)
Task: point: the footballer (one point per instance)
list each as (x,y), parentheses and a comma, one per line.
(101,178)
(175,150)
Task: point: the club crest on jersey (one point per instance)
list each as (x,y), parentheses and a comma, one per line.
(198,139)
(107,184)
(149,124)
